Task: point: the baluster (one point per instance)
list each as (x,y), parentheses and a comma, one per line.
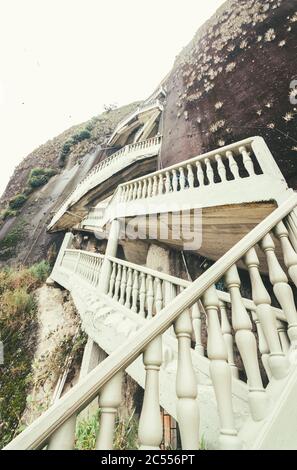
(129,288)
(149,187)
(130,194)
(150,297)
(159,295)
(209,171)
(169,296)
(112,280)
(123,285)
(263,346)
(190,176)
(142,294)
(144,189)
(182,179)
(186,385)
(228,338)
(281,288)
(150,431)
(290,255)
(98,272)
(277,361)
(155,185)
(124,193)
(93,269)
(221,168)
(167,183)
(220,371)
(135,290)
(283,337)
(161,182)
(139,191)
(196,321)
(117,283)
(134,195)
(247,161)
(200,174)
(110,397)
(119,194)
(233,165)
(174,181)
(247,346)
(127,189)
(64,437)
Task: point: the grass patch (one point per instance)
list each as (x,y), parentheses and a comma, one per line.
(125,436)
(18,325)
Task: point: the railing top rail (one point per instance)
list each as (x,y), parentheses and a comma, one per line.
(83,252)
(36,435)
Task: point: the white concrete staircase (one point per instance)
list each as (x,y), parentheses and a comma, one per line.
(136,306)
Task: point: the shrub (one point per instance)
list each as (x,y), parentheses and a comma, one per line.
(40,271)
(80,136)
(75,139)
(17,201)
(7,213)
(40,176)
(12,238)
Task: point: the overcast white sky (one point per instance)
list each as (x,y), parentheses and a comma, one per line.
(62,60)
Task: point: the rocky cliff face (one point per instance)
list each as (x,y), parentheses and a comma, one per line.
(233,81)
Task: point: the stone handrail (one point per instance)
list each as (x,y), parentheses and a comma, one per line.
(106,377)
(241,172)
(131,150)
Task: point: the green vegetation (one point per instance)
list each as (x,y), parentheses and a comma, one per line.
(40,176)
(8,244)
(75,139)
(18,330)
(8,213)
(17,201)
(125,437)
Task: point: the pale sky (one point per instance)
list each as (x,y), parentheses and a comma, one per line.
(62,60)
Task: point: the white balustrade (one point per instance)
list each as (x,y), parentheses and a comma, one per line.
(281,288)
(197,329)
(247,346)
(150,431)
(110,398)
(228,338)
(231,163)
(290,255)
(186,385)
(148,341)
(263,346)
(265,314)
(220,371)
(151,144)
